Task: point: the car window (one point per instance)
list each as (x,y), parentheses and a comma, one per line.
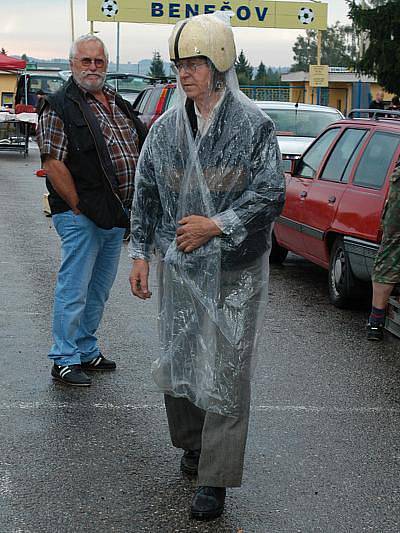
(376,159)
(350,164)
(47,84)
(344,150)
(153,100)
(301,123)
(172,98)
(309,164)
(143,101)
(128,84)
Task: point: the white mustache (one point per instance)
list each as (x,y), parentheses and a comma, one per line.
(101,75)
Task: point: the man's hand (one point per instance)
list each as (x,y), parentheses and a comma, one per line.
(62,181)
(138,279)
(194,231)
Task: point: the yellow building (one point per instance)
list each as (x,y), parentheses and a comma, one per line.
(347,90)
(8,84)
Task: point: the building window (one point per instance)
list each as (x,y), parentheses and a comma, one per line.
(7,100)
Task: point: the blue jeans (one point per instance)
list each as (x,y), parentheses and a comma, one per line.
(89,264)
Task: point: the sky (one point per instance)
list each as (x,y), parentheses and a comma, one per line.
(42,29)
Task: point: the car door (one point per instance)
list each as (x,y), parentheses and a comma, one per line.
(362,205)
(289,227)
(325,193)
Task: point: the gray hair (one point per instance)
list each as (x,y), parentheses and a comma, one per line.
(83,39)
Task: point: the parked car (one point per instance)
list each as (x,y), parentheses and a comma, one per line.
(154,100)
(128,85)
(48,81)
(297,125)
(336,193)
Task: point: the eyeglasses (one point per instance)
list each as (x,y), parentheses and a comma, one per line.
(87,61)
(187,66)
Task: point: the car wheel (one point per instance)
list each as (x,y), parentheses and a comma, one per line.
(341,280)
(278,253)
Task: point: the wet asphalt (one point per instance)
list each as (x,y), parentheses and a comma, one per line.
(323,451)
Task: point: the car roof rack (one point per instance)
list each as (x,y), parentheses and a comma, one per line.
(375,114)
(163,79)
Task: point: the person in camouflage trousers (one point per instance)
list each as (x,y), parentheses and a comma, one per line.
(386,271)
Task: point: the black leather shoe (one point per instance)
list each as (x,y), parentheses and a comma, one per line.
(71,375)
(190,462)
(208,503)
(99,363)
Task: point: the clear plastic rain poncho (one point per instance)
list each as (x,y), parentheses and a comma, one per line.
(212,300)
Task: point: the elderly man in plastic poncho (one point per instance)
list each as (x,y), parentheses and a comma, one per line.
(209,185)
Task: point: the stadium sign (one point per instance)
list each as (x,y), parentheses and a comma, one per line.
(247,13)
(319,76)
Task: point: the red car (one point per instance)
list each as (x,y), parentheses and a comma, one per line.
(336,193)
(153,101)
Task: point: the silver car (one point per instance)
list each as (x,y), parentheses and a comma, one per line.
(297,125)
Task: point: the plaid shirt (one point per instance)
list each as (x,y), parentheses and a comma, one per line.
(118,131)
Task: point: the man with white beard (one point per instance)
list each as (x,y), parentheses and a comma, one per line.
(89,140)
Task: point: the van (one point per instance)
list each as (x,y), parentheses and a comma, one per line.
(48,81)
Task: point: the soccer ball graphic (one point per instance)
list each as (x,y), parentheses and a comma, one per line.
(109,8)
(306,15)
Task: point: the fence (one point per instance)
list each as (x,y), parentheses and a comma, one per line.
(333,96)
(270,92)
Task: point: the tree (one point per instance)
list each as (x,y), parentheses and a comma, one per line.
(266,77)
(273,77)
(156,66)
(339,48)
(261,75)
(380,30)
(3,51)
(244,70)
(25,57)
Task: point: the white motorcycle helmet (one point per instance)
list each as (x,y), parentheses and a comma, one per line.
(207,36)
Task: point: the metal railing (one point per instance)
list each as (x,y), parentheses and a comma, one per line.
(375,114)
(270,92)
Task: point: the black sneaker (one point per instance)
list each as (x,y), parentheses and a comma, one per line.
(99,363)
(208,503)
(374,332)
(71,375)
(190,462)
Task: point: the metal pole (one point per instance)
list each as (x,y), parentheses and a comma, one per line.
(91,28)
(26,87)
(117,62)
(71,5)
(319,46)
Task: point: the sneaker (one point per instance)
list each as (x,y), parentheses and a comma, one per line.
(374,332)
(190,462)
(71,375)
(99,363)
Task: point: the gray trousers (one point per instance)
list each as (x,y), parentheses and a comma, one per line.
(221,439)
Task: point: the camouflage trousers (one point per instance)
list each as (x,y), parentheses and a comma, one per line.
(387,261)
